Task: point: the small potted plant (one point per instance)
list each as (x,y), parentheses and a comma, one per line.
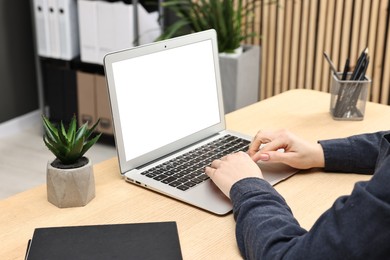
(70,179)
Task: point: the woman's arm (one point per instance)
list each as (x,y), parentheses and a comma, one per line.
(355,227)
(357,153)
(353,154)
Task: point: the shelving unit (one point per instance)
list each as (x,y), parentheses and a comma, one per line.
(57,80)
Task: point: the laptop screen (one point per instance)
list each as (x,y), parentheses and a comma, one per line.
(165,96)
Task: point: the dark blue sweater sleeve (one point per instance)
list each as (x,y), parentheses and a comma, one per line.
(355,227)
(265,226)
(356,154)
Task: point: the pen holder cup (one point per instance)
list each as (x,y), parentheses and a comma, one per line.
(348,97)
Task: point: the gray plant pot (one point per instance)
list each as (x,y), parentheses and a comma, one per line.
(240,78)
(70,187)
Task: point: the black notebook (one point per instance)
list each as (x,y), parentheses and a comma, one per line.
(158,240)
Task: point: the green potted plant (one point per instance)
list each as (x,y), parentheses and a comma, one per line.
(232,20)
(70,179)
(229,18)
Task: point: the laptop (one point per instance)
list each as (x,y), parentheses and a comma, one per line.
(169,120)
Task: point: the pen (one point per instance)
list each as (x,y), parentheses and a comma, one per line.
(360,65)
(341,89)
(360,75)
(363,74)
(345,72)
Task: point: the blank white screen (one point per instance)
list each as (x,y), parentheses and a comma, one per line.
(165,96)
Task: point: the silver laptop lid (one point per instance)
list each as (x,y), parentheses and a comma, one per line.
(164,96)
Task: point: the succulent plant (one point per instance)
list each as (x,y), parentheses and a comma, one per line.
(69,145)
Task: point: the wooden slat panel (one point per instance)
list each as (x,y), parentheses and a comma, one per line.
(287,44)
(271,50)
(310,63)
(372,34)
(379,50)
(384,97)
(386,71)
(356,27)
(345,34)
(337,30)
(279,48)
(295,35)
(302,57)
(264,51)
(364,25)
(257,24)
(295,44)
(330,19)
(321,43)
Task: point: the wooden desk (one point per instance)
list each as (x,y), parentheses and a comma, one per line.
(202,235)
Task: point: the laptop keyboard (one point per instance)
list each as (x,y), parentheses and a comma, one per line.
(187,170)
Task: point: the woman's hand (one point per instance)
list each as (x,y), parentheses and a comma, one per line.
(298,153)
(232,168)
(266,147)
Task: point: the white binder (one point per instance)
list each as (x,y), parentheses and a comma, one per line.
(42,27)
(123,25)
(106,30)
(68,29)
(87,13)
(149,28)
(54,31)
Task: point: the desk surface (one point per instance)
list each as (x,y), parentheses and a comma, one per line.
(202,235)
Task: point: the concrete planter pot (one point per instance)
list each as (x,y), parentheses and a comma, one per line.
(70,187)
(240,77)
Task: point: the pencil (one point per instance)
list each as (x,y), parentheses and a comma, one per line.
(332,67)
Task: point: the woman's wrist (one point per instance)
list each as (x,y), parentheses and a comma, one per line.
(318,156)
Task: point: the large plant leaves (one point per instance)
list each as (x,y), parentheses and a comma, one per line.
(231,19)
